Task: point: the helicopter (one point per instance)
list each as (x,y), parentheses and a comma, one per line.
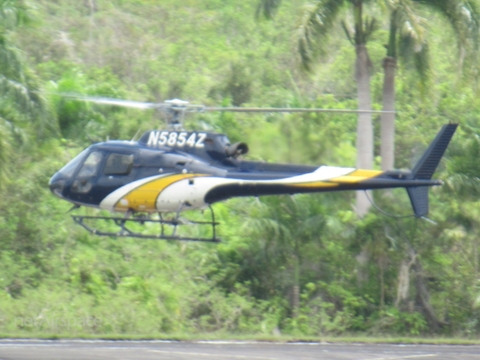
(173,170)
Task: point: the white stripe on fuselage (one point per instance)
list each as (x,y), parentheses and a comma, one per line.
(322,173)
(193,192)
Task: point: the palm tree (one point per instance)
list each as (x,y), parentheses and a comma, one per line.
(283,226)
(20,99)
(407,41)
(315,25)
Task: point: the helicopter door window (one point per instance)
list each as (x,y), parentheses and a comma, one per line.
(118,164)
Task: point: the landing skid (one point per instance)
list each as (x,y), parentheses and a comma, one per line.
(124,231)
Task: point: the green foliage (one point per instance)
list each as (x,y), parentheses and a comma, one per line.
(300,265)
(402,323)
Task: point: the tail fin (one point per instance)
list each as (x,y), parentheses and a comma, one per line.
(419,199)
(426,166)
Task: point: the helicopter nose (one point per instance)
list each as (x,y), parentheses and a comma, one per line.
(56,184)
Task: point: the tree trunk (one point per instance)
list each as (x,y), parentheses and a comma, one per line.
(475,257)
(387,124)
(296,288)
(423,299)
(362,270)
(382,264)
(364,126)
(382,288)
(403,287)
(296,301)
(91,6)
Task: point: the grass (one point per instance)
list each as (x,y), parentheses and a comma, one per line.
(253,337)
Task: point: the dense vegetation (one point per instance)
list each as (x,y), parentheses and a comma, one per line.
(301,265)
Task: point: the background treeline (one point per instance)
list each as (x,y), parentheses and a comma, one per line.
(302,265)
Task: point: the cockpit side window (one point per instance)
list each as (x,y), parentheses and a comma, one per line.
(85,177)
(118,164)
(91,165)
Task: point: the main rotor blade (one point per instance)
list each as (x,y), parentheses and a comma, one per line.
(292,110)
(116,102)
(177,105)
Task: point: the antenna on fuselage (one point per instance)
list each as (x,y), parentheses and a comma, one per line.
(136,134)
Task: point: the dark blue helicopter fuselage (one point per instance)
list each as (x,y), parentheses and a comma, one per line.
(176,170)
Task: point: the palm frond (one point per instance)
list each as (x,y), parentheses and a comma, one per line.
(465,169)
(5,152)
(407,38)
(31,107)
(19,86)
(463,185)
(463,16)
(10,60)
(11,137)
(14,13)
(414,51)
(267,8)
(348,32)
(405,12)
(315,24)
(371,25)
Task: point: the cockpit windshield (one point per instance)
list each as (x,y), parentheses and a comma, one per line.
(68,170)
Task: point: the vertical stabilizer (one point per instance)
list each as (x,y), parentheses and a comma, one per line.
(419,199)
(426,166)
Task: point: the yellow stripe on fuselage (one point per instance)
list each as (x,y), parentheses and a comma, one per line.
(144,197)
(356,176)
